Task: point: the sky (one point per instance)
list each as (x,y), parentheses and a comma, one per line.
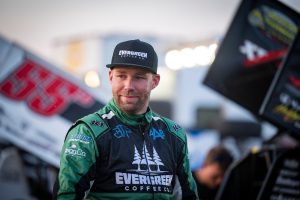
(36,24)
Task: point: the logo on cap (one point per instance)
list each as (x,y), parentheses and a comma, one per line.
(133,54)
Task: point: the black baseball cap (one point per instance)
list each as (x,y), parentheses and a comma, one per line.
(134,53)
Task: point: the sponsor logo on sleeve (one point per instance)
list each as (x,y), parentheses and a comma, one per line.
(75,151)
(176,127)
(80,137)
(97,123)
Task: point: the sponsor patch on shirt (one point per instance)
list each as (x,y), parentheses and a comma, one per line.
(155,134)
(148,173)
(80,137)
(121,131)
(176,127)
(97,123)
(75,151)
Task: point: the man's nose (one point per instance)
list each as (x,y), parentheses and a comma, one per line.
(129,83)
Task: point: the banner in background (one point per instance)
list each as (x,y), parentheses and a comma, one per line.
(282,104)
(283,179)
(253,48)
(39,102)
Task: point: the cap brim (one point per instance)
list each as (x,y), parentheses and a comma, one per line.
(131,65)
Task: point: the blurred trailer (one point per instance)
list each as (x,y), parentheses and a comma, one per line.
(39,102)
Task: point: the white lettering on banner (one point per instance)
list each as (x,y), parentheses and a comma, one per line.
(252,50)
(133,53)
(288,182)
(289,101)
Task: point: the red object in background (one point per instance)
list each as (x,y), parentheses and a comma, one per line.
(44,92)
(271,56)
(295,81)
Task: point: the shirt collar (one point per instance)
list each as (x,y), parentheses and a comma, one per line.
(131,119)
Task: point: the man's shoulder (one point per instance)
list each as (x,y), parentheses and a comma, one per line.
(95,122)
(173,126)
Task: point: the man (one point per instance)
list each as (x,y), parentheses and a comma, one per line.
(125,150)
(210,175)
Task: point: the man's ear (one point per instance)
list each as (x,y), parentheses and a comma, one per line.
(155,82)
(110,74)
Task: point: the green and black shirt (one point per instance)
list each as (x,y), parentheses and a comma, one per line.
(111,155)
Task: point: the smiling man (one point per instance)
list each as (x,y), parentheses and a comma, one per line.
(128,151)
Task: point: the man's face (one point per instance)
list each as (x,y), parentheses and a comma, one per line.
(131,88)
(212,175)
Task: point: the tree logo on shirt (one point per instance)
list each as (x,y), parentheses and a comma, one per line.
(148,175)
(145,162)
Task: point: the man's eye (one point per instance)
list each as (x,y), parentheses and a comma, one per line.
(120,76)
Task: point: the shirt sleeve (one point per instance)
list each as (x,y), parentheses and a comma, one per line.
(77,164)
(187,182)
